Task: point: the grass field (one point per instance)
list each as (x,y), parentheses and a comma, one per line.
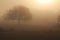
(30,35)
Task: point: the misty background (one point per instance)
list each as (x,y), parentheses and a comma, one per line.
(44,16)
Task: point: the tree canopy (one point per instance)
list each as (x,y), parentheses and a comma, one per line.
(18,13)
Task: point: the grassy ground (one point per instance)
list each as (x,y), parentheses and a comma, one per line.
(30,35)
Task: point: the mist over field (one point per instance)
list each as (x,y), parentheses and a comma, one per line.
(45,16)
(29,17)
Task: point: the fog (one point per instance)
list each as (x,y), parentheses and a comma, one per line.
(44,15)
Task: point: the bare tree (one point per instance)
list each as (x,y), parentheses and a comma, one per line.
(18,13)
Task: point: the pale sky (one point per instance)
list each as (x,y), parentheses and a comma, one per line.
(6,4)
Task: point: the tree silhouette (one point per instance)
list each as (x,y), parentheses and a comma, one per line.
(58,22)
(58,19)
(18,13)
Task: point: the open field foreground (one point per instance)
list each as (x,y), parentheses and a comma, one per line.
(30,35)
